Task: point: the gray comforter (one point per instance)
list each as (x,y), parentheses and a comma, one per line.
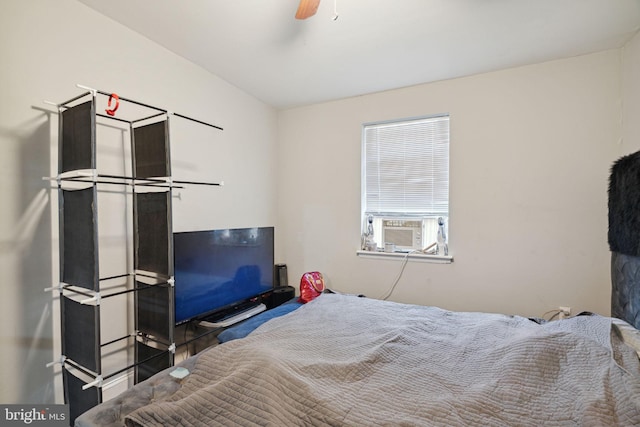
(348,361)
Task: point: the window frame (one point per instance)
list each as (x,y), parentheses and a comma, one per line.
(379,215)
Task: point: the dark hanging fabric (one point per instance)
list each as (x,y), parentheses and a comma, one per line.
(80,400)
(150,149)
(152,237)
(81,335)
(77,138)
(624,205)
(624,238)
(79,253)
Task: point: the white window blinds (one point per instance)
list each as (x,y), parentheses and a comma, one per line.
(406,167)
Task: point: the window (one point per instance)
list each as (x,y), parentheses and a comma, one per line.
(405,181)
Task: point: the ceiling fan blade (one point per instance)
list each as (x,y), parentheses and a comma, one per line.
(307,8)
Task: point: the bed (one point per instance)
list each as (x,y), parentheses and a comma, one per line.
(344,360)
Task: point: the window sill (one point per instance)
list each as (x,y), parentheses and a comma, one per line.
(437,259)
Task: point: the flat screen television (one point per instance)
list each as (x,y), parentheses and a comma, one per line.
(217,271)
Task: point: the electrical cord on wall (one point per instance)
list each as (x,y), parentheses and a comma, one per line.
(405,260)
(555,312)
(429,250)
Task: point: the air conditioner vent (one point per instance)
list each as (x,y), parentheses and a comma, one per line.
(404,233)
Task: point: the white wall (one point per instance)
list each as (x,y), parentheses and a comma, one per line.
(531,149)
(46,48)
(631,97)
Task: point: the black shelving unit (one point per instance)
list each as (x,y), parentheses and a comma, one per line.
(150,285)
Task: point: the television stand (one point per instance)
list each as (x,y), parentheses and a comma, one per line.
(239,317)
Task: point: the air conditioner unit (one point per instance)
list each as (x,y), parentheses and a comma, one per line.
(405,234)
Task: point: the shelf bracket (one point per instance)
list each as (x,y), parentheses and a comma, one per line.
(93,91)
(95,299)
(60,287)
(55,362)
(96,383)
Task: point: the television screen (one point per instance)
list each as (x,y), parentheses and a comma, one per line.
(218,270)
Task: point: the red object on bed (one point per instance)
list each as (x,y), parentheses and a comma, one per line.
(311,285)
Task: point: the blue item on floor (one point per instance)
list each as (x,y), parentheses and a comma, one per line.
(248,326)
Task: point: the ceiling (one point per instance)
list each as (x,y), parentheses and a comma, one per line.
(374,45)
